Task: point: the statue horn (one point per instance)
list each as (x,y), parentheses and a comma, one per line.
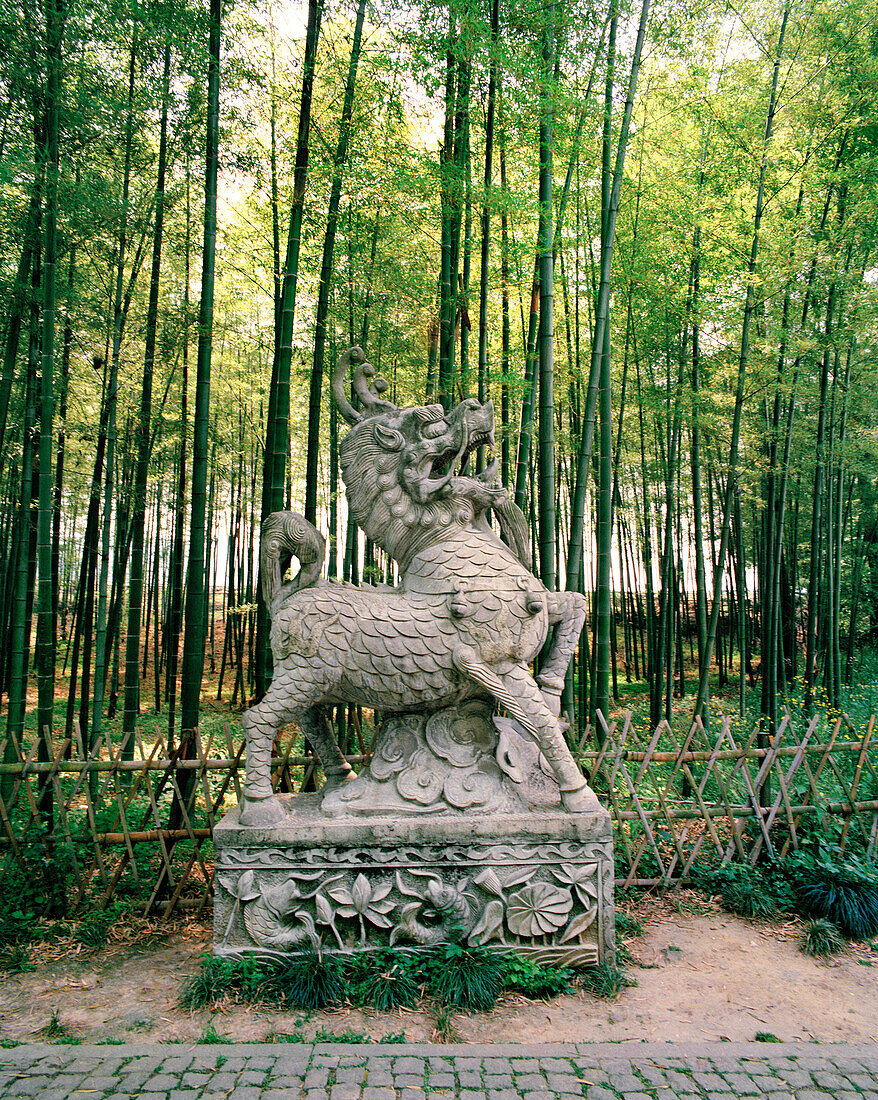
(367,385)
(339,377)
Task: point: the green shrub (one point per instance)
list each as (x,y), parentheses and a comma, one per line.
(821,938)
(605,981)
(93,931)
(748,891)
(522,975)
(469,978)
(846,894)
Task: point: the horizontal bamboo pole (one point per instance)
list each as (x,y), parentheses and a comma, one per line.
(703,755)
(220,763)
(715,811)
(718,810)
(152,834)
(211,764)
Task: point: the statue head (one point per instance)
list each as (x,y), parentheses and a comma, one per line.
(403,468)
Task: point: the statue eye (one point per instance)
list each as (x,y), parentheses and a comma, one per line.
(432,431)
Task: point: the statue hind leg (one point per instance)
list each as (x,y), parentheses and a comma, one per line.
(316,727)
(517,691)
(567,611)
(284,703)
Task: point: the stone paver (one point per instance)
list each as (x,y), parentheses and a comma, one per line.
(325,1071)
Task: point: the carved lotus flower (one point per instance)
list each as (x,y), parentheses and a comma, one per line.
(538,909)
(364,900)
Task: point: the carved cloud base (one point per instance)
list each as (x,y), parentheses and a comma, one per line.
(539,883)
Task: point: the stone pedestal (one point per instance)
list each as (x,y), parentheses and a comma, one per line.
(454,834)
(539,883)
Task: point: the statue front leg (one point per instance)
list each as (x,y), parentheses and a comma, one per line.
(517,691)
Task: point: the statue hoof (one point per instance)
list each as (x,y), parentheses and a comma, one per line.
(335,779)
(261,813)
(582,800)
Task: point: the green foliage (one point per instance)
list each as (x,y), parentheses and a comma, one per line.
(309,979)
(34,886)
(394,1038)
(766,1037)
(469,978)
(748,891)
(55,1029)
(522,975)
(93,931)
(627,926)
(15,959)
(605,981)
(822,938)
(210,1036)
(219,979)
(445,1029)
(844,893)
(385,980)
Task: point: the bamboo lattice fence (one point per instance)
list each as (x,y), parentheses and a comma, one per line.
(109,824)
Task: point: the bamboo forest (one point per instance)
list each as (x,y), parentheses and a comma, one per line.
(646,231)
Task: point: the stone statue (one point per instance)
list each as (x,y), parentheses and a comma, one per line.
(458,632)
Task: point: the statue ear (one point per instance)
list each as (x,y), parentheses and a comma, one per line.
(388,438)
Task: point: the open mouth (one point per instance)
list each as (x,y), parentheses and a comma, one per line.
(442,463)
(481,439)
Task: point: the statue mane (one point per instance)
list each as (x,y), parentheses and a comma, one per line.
(380,503)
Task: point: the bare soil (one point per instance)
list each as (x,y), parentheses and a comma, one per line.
(701,975)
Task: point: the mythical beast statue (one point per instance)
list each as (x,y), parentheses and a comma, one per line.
(465,621)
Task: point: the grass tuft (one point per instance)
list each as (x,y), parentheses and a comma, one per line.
(55,1029)
(467,978)
(605,981)
(822,938)
(216,981)
(308,979)
(210,1036)
(15,959)
(845,894)
(389,988)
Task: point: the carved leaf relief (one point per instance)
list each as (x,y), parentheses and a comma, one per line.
(578,925)
(490,925)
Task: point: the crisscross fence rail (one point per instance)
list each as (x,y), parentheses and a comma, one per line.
(85,828)
(716,798)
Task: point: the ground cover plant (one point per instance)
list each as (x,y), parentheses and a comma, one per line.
(455,977)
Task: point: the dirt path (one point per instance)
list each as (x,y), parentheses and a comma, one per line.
(701,976)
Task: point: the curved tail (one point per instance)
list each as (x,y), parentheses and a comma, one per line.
(287,535)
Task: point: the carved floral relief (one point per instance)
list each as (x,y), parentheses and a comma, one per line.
(530,906)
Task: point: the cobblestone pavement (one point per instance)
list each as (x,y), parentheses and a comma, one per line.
(600,1071)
